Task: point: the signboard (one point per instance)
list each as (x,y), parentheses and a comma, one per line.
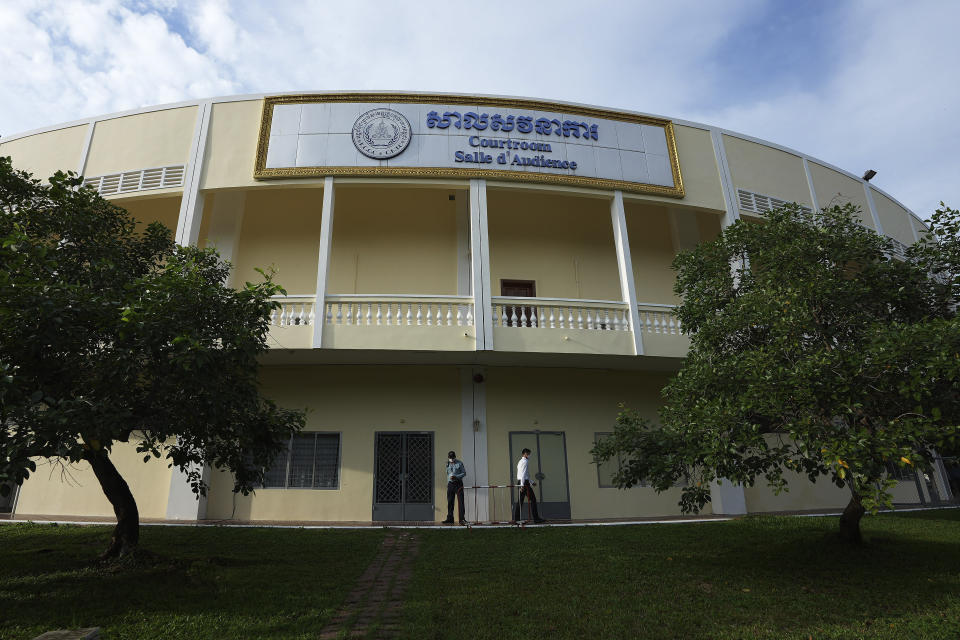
(464,137)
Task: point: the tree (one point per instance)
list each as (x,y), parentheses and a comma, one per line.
(109,334)
(813,349)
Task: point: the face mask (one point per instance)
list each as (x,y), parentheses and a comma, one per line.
(450,460)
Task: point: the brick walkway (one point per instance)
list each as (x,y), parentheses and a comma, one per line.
(373,608)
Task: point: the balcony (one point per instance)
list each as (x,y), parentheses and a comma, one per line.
(409,322)
(500,269)
(558,325)
(449,323)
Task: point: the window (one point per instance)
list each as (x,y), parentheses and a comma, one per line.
(900,474)
(606,470)
(309,461)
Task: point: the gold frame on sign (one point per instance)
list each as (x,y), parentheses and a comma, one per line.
(261,172)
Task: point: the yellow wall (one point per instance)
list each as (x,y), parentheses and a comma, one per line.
(802,494)
(281,228)
(165,210)
(394,241)
(77,492)
(766,170)
(562,242)
(698,168)
(893,218)
(651,249)
(834,188)
(357,402)
(708,225)
(142,141)
(906,492)
(579,403)
(231,145)
(44,154)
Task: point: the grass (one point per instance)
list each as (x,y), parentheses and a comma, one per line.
(202,582)
(757,577)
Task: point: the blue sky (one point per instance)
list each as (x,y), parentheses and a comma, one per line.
(866,84)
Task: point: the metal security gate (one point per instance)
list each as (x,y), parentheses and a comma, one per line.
(403,477)
(547,467)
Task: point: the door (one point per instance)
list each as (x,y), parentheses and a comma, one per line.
(403,476)
(547,467)
(516,315)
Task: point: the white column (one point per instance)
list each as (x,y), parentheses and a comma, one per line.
(628,291)
(463,243)
(182,502)
(727,498)
(473,439)
(813,192)
(480,264)
(85,152)
(726,179)
(191,204)
(323,262)
(226,222)
(940,478)
(868,192)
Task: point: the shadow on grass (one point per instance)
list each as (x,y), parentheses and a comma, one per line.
(196,583)
(951,513)
(755,577)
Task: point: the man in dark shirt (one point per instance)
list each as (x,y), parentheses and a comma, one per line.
(455,474)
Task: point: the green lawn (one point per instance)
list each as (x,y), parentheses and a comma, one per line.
(758,577)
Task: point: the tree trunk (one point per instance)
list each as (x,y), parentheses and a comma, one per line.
(126,535)
(850,520)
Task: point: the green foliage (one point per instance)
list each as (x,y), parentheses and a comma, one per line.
(109,334)
(812,350)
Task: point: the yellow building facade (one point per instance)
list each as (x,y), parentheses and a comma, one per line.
(467,273)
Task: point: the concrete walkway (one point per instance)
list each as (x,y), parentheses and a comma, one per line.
(312,524)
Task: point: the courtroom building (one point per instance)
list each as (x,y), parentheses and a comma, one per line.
(471,273)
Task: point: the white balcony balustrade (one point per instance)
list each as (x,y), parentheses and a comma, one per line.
(294,311)
(291,324)
(447,323)
(405,322)
(399,311)
(661,330)
(659,318)
(560,313)
(561,325)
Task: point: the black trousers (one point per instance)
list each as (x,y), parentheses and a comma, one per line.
(526,492)
(455,491)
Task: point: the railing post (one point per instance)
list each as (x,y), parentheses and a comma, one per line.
(323,262)
(628,289)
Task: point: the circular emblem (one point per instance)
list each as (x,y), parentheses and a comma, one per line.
(381,133)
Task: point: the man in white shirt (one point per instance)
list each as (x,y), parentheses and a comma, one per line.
(526,489)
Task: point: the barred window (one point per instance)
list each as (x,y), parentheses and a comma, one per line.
(901,474)
(309,461)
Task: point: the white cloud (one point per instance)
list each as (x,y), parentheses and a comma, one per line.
(887,101)
(891,104)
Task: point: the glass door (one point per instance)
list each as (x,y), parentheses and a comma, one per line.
(547,467)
